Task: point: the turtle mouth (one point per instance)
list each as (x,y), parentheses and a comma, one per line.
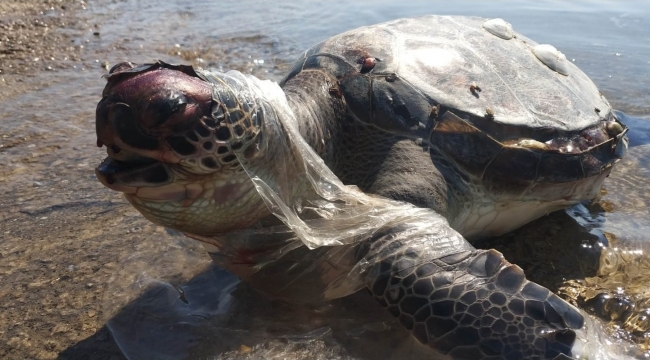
(126,171)
(110,167)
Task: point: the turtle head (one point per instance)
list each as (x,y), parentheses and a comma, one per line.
(173,141)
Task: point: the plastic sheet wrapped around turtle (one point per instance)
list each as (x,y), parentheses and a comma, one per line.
(317,209)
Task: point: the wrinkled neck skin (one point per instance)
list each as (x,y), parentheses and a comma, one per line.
(363,155)
(318,111)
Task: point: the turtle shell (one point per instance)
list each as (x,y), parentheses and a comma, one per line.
(463,63)
(494,102)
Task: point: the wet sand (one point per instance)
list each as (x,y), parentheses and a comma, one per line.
(50,286)
(38,36)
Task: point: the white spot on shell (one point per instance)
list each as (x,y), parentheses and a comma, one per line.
(440,59)
(552,58)
(499,27)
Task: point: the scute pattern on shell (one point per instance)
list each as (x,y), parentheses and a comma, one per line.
(443,56)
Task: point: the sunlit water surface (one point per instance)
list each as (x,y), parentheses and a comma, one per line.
(166,301)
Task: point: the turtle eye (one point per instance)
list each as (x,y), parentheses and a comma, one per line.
(171,106)
(172,109)
(166,107)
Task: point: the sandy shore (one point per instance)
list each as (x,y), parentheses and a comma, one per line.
(31,40)
(48,309)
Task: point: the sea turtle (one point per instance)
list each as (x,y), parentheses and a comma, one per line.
(449,128)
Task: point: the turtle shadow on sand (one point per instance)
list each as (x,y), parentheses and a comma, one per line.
(214,314)
(552,249)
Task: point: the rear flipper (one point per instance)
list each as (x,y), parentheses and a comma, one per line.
(474,305)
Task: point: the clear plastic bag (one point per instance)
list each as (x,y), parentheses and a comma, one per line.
(301,191)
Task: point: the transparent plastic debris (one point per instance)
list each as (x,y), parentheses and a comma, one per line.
(301,191)
(593,342)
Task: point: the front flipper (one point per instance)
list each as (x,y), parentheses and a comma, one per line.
(474,305)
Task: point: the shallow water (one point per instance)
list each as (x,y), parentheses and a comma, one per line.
(56,214)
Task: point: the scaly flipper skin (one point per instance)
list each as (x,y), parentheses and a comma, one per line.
(474,305)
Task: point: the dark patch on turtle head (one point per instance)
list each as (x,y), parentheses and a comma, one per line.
(144,105)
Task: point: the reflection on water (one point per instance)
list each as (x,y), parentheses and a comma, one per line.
(619,290)
(165,298)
